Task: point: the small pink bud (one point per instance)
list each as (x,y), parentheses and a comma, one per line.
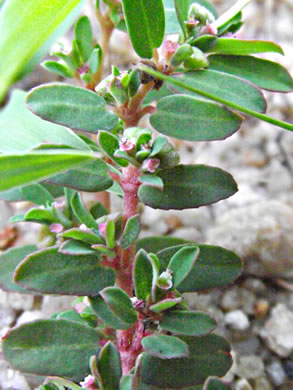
(83,227)
(79,307)
(137,303)
(87,382)
(126,145)
(102,228)
(56,228)
(83,69)
(151,164)
(169,49)
(210,28)
(59,205)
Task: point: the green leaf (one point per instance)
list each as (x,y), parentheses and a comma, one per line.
(182,8)
(110,234)
(109,367)
(209,355)
(145,275)
(49,271)
(213,383)
(227,87)
(98,210)
(84,36)
(82,213)
(230,13)
(194,119)
(90,177)
(95,60)
(198,185)
(152,181)
(21,131)
(256,70)
(157,243)
(75,248)
(145,20)
(25,27)
(130,232)
(102,310)
(231,25)
(110,143)
(9,260)
(71,315)
(71,106)
(165,304)
(51,347)
(81,235)
(120,303)
(58,68)
(214,267)
(187,322)
(40,216)
(60,382)
(244,47)
(165,347)
(19,169)
(37,194)
(204,42)
(16,195)
(182,263)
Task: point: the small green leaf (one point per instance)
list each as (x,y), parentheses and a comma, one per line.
(58,68)
(189,323)
(98,210)
(82,213)
(9,260)
(34,348)
(71,106)
(36,193)
(130,232)
(244,47)
(204,42)
(182,263)
(109,367)
(213,383)
(110,234)
(19,169)
(230,13)
(60,382)
(145,20)
(155,244)
(110,143)
(197,185)
(165,304)
(75,248)
(71,315)
(231,25)
(95,60)
(120,303)
(81,235)
(40,216)
(208,355)
(165,347)
(158,145)
(194,119)
(83,36)
(104,250)
(102,310)
(49,271)
(256,70)
(182,7)
(145,275)
(152,181)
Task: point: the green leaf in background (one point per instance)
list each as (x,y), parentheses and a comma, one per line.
(165,347)
(155,244)
(120,303)
(208,355)
(82,213)
(213,383)
(109,366)
(145,20)
(110,143)
(59,382)
(58,68)
(198,185)
(194,119)
(182,263)
(230,13)
(226,86)
(39,215)
(19,169)
(102,310)
(130,232)
(87,236)
(9,260)
(17,195)
(21,131)
(90,177)
(75,248)
(49,271)
(24,28)
(182,8)
(243,47)
(165,304)
(187,322)
(37,194)
(84,36)
(71,106)
(256,70)
(51,347)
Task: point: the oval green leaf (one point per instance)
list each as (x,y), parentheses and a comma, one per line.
(187,322)
(194,119)
(110,143)
(182,263)
(256,70)
(71,106)
(208,355)
(84,37)
(165,347)
(39,347)
(198,185)
(82,213)
(49,271)
(244,47)
(155,244)
(109,366)
(130,232)
(144,275)
(213,383)
(145,20)
(227,87)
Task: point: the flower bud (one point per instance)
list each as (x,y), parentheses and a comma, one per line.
(169,48)
(200,13)
(181,54)
(165,280)
(151,164)
(197,61)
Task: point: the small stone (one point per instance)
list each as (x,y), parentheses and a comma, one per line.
(51,304)
(278,331)
(261,308)
(28,316)
(7,316)
(5,213)
(16,301)
(243,384)
(255,158)
(250,367)
(276,373)
(237,320)
(13,380)
(231,299)
(187,233)
(173,222)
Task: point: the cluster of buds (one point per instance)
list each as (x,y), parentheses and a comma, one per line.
(200,21)
(190,56)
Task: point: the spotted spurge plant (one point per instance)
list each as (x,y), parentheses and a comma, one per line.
(130,327)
